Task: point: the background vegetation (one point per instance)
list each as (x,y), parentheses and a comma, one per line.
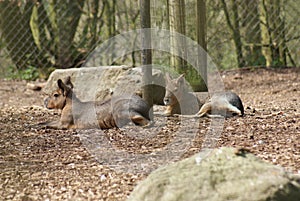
(38,36)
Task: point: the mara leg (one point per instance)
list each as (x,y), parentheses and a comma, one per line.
(53,124)
(138,119)
(205,109)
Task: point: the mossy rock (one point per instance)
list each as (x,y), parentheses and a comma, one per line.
(219,174)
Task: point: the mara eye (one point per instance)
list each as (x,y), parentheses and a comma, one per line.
(56,95)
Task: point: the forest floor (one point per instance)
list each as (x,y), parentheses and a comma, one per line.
(47,164)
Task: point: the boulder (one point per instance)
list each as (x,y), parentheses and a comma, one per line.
(219,174)
(97,83)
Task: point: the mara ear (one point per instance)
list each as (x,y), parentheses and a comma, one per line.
(68,82)
(168,77)
(63,87)
(180,79)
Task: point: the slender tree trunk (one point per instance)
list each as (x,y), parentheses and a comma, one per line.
(44,43)
(177,25)
(201,39)
(16,32)
(277,34)
(146,51)
(237,35)
(265,35)
(253,52)
(273,36)
(94,11)
(235,30)
(68,16)
(111,17)
(110,20)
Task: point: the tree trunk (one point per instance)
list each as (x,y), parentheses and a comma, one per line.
(177,25)
(146,51)
(237,35)
(15,29)
(201,39)
(252,50)
(235,30)
(265,35)
(273,38)
(68,16)
(94,21)
(110,18)
(45,43)
(277,34)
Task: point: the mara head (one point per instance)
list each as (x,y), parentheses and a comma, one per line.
(175,89)
(57,99)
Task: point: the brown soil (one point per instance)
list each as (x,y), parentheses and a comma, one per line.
(48,164)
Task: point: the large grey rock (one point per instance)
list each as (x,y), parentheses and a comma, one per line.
(97,83)
(222,174)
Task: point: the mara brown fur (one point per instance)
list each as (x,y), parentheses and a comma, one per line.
(225,104)
(179,101)
(114,112)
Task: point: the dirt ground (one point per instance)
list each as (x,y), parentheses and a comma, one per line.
(48,164)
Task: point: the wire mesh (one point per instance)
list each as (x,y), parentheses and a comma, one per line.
(60,34)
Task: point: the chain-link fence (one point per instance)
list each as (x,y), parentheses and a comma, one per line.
(251,33)
(254,33)
(42,34)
